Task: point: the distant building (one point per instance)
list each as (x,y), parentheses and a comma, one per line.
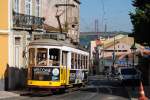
(110,53)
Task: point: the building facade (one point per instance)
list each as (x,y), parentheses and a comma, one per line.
(68,13)
(19,20)
(4,37)
(113,51)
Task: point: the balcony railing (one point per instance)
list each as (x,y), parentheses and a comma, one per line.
(27,21)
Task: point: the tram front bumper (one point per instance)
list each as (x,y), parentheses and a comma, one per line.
(33,83)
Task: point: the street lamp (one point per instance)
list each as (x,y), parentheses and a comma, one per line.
(133,49)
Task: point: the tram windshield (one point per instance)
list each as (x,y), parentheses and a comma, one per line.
(54,57)
(32,57)
(41,57)
(44,57)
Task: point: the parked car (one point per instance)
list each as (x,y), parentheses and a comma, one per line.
(129,75)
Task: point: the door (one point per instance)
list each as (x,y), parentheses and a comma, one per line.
(17,56)
(64,64)
(17,52)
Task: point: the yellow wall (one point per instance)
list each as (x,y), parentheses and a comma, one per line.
(3,14)
(3,54)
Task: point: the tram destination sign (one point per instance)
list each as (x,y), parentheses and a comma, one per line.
(41,70)
(56,36)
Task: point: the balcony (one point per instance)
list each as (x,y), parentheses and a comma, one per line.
(22,21)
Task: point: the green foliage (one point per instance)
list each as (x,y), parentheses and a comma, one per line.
(141,21)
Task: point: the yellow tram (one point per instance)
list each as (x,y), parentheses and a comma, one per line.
(56,64)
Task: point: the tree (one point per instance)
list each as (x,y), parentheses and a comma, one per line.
(141,21)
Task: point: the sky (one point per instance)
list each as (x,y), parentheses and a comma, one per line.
(112,13)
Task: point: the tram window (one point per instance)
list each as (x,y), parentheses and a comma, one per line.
(79,61)
(76,61)
(85,62)
(41,57)
(54,57)
(64,58)
(31,56)
(72,60)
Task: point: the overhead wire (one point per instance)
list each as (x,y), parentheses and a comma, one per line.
(87,27)
(103,13)
(102,16)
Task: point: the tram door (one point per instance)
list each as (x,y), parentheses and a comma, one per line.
(65,64)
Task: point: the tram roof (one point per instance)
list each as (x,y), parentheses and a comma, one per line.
(52,42)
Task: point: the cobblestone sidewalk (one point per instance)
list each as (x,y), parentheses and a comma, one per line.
(6,94)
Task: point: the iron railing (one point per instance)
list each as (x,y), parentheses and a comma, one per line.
(27,21)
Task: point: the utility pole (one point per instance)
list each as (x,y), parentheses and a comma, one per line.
(96,48)
(114,57)
(66,23)
(114,52)
(103,60)
(96,28)
(133,50)
(105,28)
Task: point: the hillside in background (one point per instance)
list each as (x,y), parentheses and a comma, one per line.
(86,37)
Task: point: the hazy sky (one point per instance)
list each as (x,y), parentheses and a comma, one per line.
(113,13)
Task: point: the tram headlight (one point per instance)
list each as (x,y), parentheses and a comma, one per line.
(55,71)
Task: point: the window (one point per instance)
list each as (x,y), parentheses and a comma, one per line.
(123,46)
(76,61)
(17,52)
(79,62)
(72,60)
(41,57)
(32,56)
(54,57)
(84,58)
(16,6)
(31,62)
(28,7)
(110,50)
(124,50)
(37,8)
(17,40)
(64,58)
(86,62)
(82,65)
